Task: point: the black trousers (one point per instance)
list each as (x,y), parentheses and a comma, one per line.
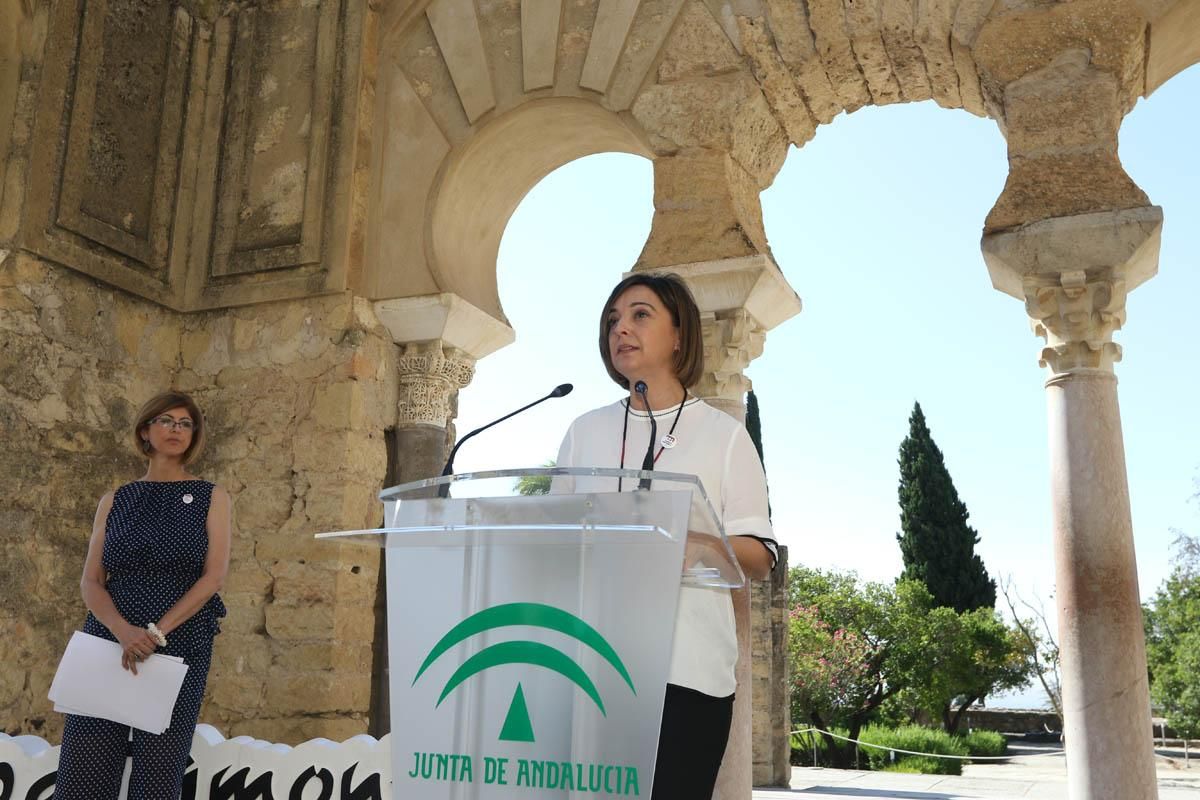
(691,744)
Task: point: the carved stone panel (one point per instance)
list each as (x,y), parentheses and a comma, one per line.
(275,144)
(285,75)
(107,158)
(124,132)
(194,160)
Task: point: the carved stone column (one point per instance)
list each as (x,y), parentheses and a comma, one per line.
(431,375)
(440,338)
(741,299)
(1073,273)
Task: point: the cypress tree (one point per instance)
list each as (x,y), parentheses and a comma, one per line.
(754,428)
(754,423)
(937,544)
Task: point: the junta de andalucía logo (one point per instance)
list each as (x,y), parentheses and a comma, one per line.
(518,727)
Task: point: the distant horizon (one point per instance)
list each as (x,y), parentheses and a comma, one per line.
(1021,700)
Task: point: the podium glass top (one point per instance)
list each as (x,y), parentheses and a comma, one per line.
(556,505)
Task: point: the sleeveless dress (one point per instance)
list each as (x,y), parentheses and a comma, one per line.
(155,544)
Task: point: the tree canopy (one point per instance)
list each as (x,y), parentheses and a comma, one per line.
(535,484)
(854,645)
(1173,640)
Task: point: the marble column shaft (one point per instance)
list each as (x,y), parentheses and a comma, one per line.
(1074,274)
(1106,699)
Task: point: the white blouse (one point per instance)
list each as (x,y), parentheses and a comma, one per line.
(715,447)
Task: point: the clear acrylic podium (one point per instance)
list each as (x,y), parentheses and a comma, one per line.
(529,637)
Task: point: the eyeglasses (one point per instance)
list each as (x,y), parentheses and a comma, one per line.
(170,423)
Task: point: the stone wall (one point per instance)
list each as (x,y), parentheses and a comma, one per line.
(76,361)
(772,709)
(197,155)
(298,399)
(1005,720)
(22,39)
(300,395)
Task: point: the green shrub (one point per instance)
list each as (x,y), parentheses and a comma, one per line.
(985,743)
(916,739)
(919,765)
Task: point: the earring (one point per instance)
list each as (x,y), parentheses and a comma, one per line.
(145,445)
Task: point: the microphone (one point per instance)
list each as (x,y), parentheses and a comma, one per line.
(562,390)
(647,461)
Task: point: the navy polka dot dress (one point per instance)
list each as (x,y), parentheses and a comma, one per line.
(155,544)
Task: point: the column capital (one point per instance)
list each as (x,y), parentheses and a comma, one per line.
(1077,317)
(430,373)
(1073,274)
(440,336)
(732,339)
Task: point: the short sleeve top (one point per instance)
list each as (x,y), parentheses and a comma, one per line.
(715,447)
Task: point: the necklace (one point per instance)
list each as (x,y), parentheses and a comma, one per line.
(665,442)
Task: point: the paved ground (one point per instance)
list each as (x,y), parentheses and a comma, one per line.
(1028,776)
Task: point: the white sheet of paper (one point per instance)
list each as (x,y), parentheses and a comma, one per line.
(91,682)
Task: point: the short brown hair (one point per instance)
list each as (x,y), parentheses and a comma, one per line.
(165,401)
(685,314)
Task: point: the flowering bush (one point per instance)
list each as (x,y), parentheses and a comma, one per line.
(833,669)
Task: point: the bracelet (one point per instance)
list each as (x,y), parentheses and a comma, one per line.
(157,635)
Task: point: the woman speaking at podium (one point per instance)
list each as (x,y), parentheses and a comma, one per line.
(651,345)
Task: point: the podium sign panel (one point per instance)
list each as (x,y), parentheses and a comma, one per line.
(529,639)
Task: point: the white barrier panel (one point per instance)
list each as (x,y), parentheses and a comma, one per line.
(242,768)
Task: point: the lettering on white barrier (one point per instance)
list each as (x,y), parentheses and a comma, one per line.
(242,768)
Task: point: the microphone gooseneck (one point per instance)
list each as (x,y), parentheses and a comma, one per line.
(562,390)
(648,461)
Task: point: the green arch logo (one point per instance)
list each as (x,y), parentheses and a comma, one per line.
(517,726)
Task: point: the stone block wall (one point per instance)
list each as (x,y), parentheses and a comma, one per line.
(298,398)
(300,395)
(772,715)
(76,361)
(1005,720)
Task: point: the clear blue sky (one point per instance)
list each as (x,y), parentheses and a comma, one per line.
(876,223)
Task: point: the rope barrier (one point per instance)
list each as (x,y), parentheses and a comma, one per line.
(931,755)
(943,755)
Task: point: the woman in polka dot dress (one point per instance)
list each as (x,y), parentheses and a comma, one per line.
(158,556)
